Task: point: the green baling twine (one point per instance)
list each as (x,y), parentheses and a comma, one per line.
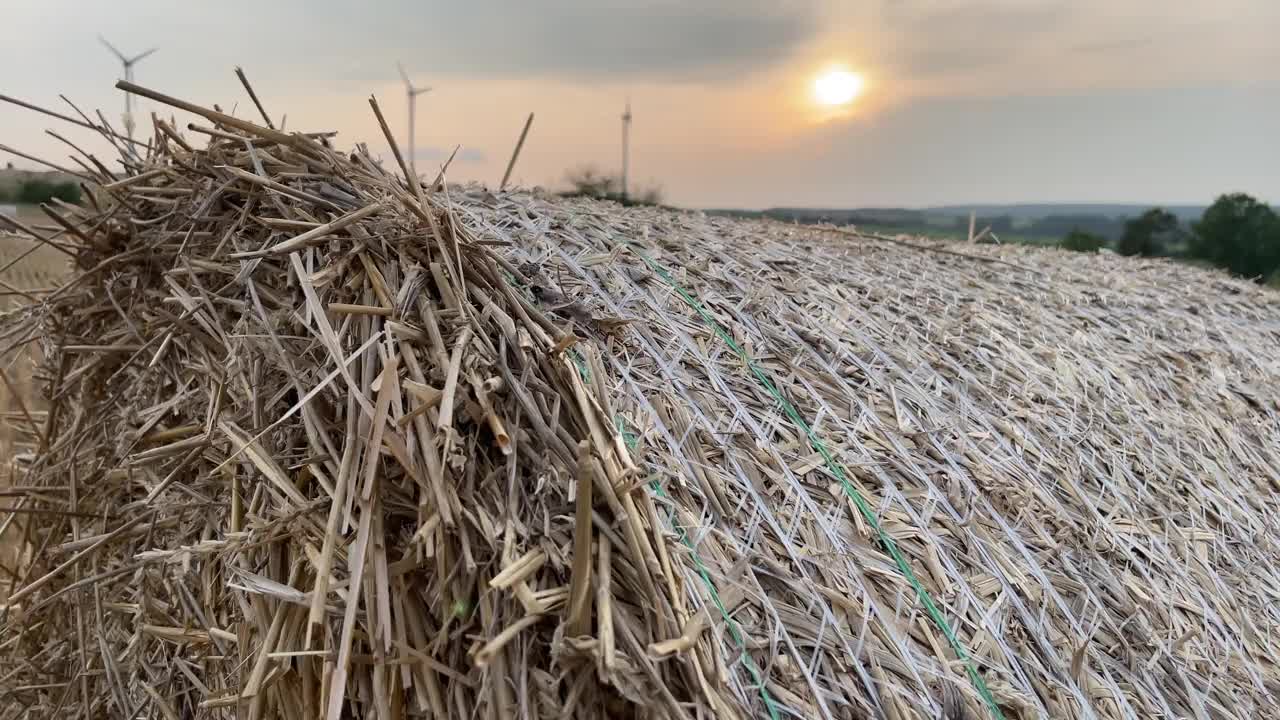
(836,469)
(734,630)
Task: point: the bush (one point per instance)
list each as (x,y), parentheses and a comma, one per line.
(589,182)
(1081,241)
(651,195)
(40,191)
(1241,234)
(1056,226)
(1152,234)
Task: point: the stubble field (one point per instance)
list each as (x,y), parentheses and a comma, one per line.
(26,275)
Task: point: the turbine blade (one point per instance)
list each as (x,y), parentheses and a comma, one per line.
(404,76)
(136,58)
(113,49)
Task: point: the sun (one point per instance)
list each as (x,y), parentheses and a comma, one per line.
(837,87)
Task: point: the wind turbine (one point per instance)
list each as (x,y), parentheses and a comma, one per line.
(128,75)
(626,146)
(412,94)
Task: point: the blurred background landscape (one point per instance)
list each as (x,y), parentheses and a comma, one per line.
(1042,118)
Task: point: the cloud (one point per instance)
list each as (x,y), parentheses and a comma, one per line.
(955,39)
(936,59)
(974,21)
(354,44)
(672,40)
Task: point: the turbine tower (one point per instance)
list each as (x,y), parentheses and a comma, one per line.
(412,94)
(626,147)
(128,63)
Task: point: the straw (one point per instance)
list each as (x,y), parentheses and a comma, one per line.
(316,441)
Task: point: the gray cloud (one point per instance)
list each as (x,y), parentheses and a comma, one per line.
(666,40)
(938,59)
(974,21)
(942,40)
(345,44)
(1111,45)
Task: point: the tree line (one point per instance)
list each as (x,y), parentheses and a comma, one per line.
(36,191)
(1238,233)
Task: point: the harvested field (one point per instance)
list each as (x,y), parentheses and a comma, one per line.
(28,270)
(325,443)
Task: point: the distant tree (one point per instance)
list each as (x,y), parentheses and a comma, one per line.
(1057,226)
(998,224)
(885,218)
(39,191)
(1241,234)
(1081,241)
(651,195)
(1151,234)
(587,181)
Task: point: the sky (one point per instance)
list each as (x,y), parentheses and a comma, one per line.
(963,101)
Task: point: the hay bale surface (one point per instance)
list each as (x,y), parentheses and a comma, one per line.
(324,443)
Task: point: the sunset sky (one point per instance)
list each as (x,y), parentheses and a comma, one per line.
(962,100)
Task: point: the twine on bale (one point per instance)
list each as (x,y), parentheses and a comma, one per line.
(735,631)
(838,471)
